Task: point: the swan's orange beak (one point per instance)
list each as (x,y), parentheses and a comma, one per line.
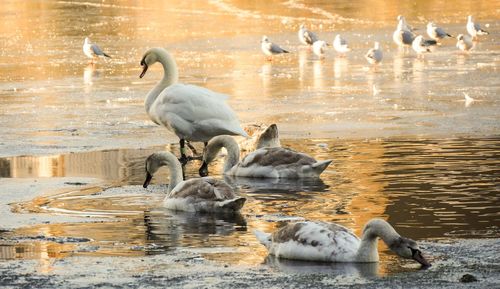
(144,68)
(148,180)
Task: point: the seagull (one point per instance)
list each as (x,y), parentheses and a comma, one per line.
(270,48)
(474,29)
(340,45)
(307,37)
(468,100)
(464,42)
(92,50)
(419,46)
(404,37)
(435,32)
(374,55)
(406,26)
(319,48)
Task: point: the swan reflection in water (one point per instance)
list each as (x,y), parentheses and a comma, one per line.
(169,230)
(308,267)
(265,185)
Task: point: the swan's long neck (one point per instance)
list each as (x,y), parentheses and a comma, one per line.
(216,144)
(174,167)
(170,76)
(376,228)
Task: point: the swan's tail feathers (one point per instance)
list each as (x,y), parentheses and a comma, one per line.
(233,204)
(243,133)
(264,238)
(320,166)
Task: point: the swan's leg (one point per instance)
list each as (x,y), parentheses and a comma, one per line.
(183,159)
(203,171)
(195,156)
(192,148)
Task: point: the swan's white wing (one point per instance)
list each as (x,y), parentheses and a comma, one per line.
(195,113)
(315,241)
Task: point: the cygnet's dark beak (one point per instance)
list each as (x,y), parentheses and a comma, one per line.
(417,256)
(144,68)
(148,180)
(203,171)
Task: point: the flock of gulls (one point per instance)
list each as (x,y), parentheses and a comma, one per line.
(197,114)
(403,36)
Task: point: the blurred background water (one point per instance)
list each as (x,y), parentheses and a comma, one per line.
(406,146)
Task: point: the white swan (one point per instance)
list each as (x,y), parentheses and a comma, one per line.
(194,195)
(275,162)
(329,242)
(93,51)
(193,113)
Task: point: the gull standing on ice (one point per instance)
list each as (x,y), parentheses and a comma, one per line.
(419,46)
(435,32)
(270,48)
(340,45)
(464,42)
(93,51)
(468,100)
(402,36)
(474,29)
(374,55)
(319,48)
(406,26)
(307,37)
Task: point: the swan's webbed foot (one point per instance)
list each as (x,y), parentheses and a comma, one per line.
(184,160)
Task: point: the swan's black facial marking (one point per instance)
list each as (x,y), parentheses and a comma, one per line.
(144,67)
(149,177)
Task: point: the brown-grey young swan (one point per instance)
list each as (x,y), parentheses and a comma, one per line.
(329,242)
(266,162)
(194,195)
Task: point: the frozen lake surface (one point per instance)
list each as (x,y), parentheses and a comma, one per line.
(406,145)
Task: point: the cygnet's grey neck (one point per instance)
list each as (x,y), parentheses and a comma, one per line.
(174,167)
(374,229)
(216,144)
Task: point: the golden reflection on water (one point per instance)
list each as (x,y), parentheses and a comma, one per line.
(414,183)
(425,188)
